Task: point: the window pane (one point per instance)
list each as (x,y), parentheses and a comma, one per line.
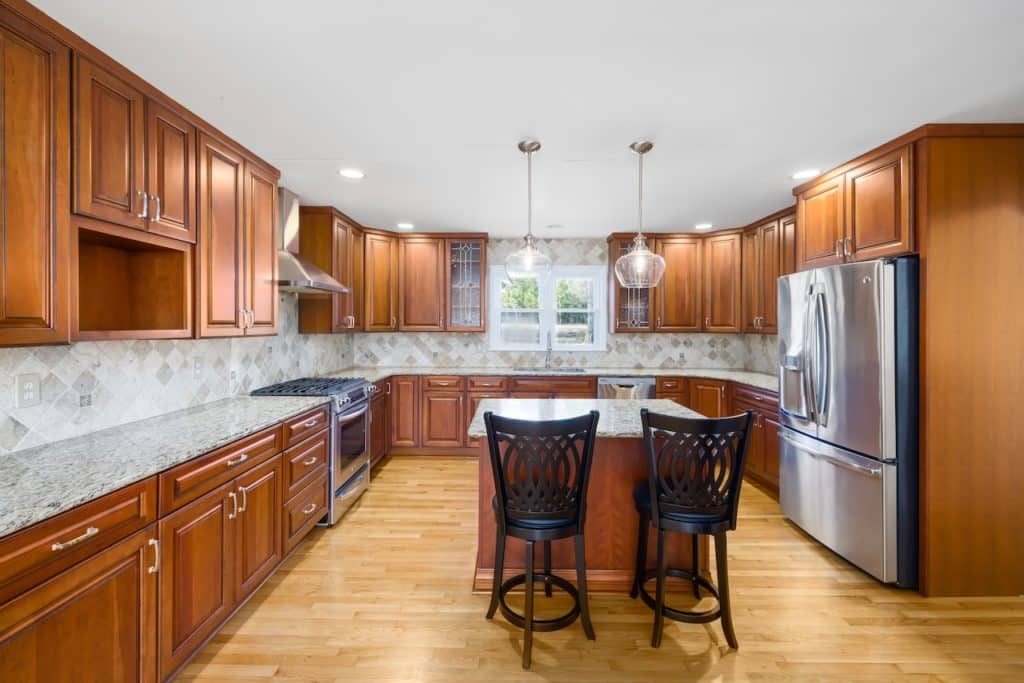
(574,328)
(520,328)
(520,293)
(575,292)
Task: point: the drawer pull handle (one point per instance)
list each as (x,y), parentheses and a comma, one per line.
(310,423)
(89,533)
(310,509)
(311,461)
(155,544)
(238,459)
(443,384)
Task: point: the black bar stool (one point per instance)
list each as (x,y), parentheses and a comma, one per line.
(541,471)
(696,469)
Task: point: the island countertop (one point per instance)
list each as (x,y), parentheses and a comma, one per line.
(620,418)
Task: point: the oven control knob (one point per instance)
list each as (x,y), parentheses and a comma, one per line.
(345,399)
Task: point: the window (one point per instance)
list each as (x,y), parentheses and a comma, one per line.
(567,305)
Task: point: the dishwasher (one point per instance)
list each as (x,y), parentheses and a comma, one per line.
(625,387)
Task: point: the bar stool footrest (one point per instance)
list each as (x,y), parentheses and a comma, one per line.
(539,580)
(687,616)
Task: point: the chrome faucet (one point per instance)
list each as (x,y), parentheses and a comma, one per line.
(547,356)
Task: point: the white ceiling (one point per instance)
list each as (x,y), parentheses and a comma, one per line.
(430,98)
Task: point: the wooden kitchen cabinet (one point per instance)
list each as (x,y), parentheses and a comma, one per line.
(633,307)
(405,409)
(709,397)
(380,282)
(34,133)
(380,423)
(421,284)
(170,173)
(258,540)
(877,215)
(327,238)
(197,574)
(466,284)
(674,389)
(762,266)
(819,211)
(721,287)
(442,419)
(473,399)
(237,263)
(787,244)
(677,299)
(763,446)
(96,621)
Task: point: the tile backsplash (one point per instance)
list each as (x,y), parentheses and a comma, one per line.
(93,385)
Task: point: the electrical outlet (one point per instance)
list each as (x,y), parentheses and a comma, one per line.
(28,390)
(197,368)
(84,400)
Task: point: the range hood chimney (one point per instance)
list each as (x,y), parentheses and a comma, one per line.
(295,273)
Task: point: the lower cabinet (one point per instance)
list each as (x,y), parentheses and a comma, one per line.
(380,423)
(709,397)
(473,399)
(763,446)
(442,419)
(673,389)
(302,512)
(405,404)
(258,537)
(96,621)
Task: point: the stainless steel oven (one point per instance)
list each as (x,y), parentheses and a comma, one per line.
(350,466)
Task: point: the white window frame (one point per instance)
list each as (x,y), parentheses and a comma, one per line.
(596,274)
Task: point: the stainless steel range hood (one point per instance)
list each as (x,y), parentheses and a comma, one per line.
(295,273)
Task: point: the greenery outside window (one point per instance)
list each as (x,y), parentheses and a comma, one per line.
(567,305)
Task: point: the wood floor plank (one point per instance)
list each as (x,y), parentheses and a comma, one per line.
(385,597)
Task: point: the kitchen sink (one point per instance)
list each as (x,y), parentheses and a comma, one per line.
(552,371)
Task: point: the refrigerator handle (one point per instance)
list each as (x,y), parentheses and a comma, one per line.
(807,375)
(823,360)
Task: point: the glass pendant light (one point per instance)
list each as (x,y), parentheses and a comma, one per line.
(640,268)
(529,261)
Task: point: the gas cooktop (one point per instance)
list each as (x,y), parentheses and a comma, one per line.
(312,386)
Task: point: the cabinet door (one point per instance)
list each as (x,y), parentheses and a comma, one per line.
(755,442)
(466,266)
(819,211)
(421,278)
(722,283)
(771,269)
(380,291)
(109,145)
(34,181)
(221,281)
(95,621)
(752,300)
(442,419)
(196,574)
(405,408)
(261,247)
(770,428)
(356,248)
(708,397)
(878,208)
(678,296)
(258,540)
(379,424)
(472,403)
(170,173)
(787,244)
(341,304)
(632,306)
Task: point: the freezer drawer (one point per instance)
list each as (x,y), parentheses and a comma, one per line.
(845,500)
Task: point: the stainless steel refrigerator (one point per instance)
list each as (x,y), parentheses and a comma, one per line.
(848,397)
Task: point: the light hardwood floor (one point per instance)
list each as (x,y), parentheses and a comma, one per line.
(386,597)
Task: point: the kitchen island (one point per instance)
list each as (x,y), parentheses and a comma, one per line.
(620,463)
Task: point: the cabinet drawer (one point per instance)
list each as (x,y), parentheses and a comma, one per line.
(32,555)
(304,461)
(557,385)
(191,479)
(307,424)
(490,383)
(303,511)
(442,382)
(670,385)
(765,400)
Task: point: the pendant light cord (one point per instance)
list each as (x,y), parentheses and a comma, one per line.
(529,194)
(640,195)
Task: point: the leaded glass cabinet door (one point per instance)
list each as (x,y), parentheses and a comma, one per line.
(632,305)
(467,264)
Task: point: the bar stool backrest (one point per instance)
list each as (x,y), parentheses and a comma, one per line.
(541,468)
(696,464)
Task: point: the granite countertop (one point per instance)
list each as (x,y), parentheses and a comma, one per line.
(38,483)
(760,380)
(620,418)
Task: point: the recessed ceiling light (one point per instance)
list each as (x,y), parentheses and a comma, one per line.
(404,226)
(806,173)
(352,173)
(703,226)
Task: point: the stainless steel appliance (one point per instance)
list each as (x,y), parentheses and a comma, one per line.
(294,272)
(625,387)
(349,472)
(848,397)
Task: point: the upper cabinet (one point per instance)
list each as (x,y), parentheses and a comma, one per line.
(328,239)
(421,284)
(633,306)
(466,284)
(134,159)
(767,253)
(380,282)
(677,298)
(721,292)
(862,213)
(34,172)
(237,263)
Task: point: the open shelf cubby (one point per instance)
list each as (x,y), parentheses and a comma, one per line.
(128,284)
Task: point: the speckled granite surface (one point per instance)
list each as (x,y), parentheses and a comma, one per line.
(619,418)
(755,379)
(44,481)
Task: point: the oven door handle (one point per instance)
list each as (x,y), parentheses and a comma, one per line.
(352,417)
